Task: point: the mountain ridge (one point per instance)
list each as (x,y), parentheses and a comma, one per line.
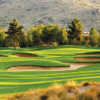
(61,12)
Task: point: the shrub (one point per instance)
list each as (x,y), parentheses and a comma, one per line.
(68,91)
(54,44)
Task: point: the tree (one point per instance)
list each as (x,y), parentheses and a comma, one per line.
(94,37)
(14,32)
(34,35)
(29,37)
(75,32)
(54,34)
(62,37)
(3,36)
(37,34)
(49,34)
(23,39)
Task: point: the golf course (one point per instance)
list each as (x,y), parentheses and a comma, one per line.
(24,69)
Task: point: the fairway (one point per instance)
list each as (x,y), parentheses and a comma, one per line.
(12,81)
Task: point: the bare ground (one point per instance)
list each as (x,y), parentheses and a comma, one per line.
(88,58)
(83,54)
(73,66)
(36,68)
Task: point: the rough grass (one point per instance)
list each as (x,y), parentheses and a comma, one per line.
(68,91)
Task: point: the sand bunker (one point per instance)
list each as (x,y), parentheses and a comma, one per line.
(36,68)
(88,58)
(92,53)
(25,55)
(73,66)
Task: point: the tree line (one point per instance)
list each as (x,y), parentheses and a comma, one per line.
(50,35)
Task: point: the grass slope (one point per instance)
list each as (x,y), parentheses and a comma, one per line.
(19,81)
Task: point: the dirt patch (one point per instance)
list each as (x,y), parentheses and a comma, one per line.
(25,55)
(93,53)
(88,58)
(36,68)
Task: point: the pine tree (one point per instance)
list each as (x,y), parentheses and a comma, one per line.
(94,37)
(23,39)
(14,32)
(75,32)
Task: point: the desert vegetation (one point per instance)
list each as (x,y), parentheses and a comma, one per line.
(68,91)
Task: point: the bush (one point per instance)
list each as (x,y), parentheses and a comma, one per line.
(54,44)
(68,91)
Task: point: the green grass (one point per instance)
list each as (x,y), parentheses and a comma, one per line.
(20,81)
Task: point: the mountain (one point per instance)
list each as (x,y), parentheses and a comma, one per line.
(34,12)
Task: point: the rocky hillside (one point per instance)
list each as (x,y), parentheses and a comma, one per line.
(33,12)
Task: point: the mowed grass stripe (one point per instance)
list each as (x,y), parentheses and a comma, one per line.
(24,88)
(48,81)
(35,86)
(50,76)
(39,75)
(47,77)
(34,76)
